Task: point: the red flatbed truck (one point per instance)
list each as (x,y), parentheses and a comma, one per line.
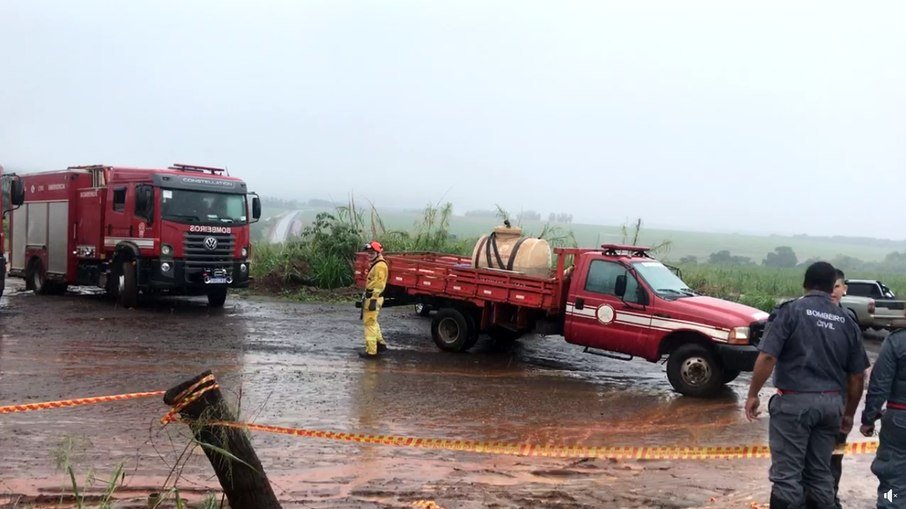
(616,301)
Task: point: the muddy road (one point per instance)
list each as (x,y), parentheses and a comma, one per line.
(295,364)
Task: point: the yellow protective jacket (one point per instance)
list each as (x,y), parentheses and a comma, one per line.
(377,278)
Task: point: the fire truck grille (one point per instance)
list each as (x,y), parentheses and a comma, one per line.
(201,252)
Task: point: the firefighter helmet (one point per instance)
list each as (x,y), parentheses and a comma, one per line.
(374,246)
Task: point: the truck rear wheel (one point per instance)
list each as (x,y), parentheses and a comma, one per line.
(127,285)
(693,371)
(217,296)
(37,278)
(451,330)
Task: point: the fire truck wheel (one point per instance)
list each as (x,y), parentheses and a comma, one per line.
(37,278)
(127,288)
(450,330)
(730,375)
(217,296)
(693,371)
(2,280)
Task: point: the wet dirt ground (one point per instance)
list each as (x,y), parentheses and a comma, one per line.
(294,364)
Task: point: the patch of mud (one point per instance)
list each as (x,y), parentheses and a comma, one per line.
(295,365)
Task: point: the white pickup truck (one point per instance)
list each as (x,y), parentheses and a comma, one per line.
(875,305)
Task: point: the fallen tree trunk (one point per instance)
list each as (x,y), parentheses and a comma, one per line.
(200,403)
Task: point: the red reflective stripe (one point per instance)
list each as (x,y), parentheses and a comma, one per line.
(896,406)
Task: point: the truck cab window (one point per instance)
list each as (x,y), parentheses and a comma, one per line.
(602,278)
(119,199)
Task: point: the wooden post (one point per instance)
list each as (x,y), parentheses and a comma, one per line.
(200,402)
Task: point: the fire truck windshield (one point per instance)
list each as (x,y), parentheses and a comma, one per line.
(202,207)
(662,280)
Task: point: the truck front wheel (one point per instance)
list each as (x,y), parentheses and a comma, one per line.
(217,296)
(451,330)
(127,285)
(693,371)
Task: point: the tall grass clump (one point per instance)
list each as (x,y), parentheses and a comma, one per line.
(430,233)
(321,257)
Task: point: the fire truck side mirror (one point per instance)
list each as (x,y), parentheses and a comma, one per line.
(16,192)
(256,208)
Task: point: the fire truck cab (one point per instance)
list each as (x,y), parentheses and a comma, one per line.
(12,194)
(179,230)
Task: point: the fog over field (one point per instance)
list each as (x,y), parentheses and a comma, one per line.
(749,117)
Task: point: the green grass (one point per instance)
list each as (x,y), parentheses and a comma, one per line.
(762,287)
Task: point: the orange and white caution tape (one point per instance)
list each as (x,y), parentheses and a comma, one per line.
(189,396)
(425,504)
(539,450)
(198,389)
(68,403)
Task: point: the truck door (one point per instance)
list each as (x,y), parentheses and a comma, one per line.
(118,215)
(598,318)
(89,238)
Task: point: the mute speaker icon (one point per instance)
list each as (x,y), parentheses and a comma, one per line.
(889,496)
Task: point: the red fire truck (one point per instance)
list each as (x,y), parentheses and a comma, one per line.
(180,230)
(11,196)
(616,301)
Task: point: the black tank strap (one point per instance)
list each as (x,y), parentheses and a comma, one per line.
(493,243)
(512,260)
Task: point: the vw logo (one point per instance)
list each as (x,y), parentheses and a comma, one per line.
(210,243)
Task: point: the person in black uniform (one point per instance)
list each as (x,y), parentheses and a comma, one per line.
(837,459)
(819,359)
(888,384)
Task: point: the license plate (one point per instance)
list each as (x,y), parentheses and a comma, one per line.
(215,281)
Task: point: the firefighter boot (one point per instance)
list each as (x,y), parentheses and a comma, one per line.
(777,503)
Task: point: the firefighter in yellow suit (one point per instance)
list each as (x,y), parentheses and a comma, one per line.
(374,299)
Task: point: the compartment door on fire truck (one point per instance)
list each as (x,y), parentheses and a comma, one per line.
(598,318)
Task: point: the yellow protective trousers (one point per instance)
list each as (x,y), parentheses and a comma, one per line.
(373,334)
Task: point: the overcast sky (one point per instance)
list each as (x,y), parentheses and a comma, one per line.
(779,117)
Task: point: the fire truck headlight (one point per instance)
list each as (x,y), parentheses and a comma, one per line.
(166,249)
(739,336)
(245,252)
(243,268)
(165,267)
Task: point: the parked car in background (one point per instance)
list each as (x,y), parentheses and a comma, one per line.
(875,304)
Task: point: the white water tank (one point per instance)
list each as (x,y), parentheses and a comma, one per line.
(506,249)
